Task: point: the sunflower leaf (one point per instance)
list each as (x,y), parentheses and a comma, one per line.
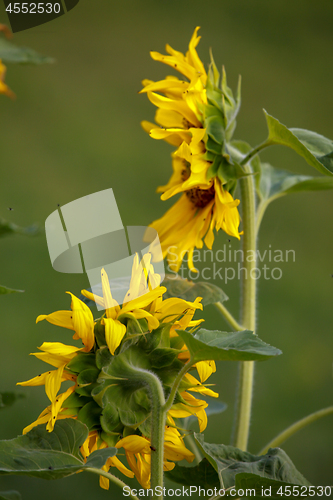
(235,346)
(275,182)
(263,486)
(229,462)
(203,475)
(50,455)
(316,149)
(188,290)
(10,53)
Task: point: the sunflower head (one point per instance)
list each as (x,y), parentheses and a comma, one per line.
(106,395)
(197,114)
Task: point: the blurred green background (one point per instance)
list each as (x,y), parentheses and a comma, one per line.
(74,129)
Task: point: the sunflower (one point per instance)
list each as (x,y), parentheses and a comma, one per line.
(117,411)
(197,117)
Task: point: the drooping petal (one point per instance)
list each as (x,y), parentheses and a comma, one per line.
(111,306)
(114,333)
(83,322)
(58,318)
(205,369)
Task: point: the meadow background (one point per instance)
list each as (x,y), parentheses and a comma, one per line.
(74,129)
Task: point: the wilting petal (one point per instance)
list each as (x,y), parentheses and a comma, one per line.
(58,318)
(114,333)
(205,369)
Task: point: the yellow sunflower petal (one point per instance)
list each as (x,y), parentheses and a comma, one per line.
(114,333)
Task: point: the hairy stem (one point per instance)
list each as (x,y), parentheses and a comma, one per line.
(255,151)
(248,310)
(158,417)
(228,316)
(111,478)
(176,383)
(297,426)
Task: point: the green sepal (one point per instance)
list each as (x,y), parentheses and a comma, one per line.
(316,149)
(82,361)
(50,455)
(229,461)
(163,357)
(99,332)
(208,156)
(10,495)
(103,357)
(133,324)
(129,431)
(176,343)
(88,376)
(110,420)
(235,346)
(214,124)
(90,415)
(190,290)
(111,438)
(230,172)
(128,407)
(275,183)
(214,96)
(212,146)
(214,168)
(74,400)
(158,338)
(213,73)
(86,390)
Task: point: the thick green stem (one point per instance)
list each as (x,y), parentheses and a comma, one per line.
(297,426)
(158,417)
(229,317)
(248,309)
(176,383)
(113,479)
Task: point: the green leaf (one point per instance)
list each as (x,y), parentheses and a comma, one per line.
(90,415)
(50,455)
(10,228)
(203,475)
(4,290)
(10,495)
(10,53)
(275,182)
(316,149)
(189,290)
(229,461)
(9,398)
(259,484)
(234,346)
